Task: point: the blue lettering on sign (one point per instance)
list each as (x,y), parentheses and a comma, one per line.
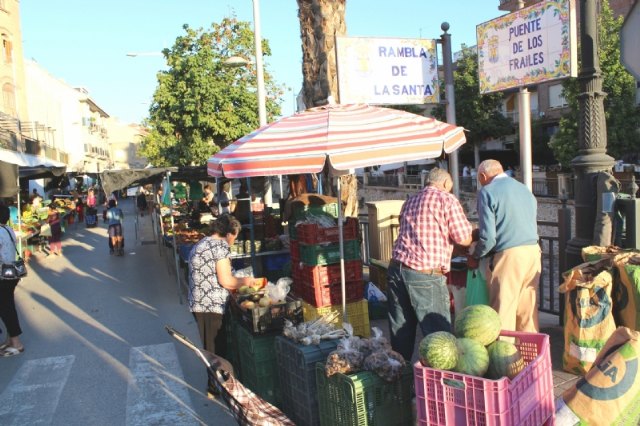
(401,52)
(403,90)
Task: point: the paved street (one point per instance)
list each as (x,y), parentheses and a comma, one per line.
(96,351)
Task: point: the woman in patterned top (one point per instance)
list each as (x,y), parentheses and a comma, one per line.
(210,280)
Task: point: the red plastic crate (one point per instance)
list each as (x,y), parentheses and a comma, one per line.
(294,248)
(326,295)
(449,398)
(311,233)
(326,274)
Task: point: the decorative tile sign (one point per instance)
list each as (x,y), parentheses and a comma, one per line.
(527,47)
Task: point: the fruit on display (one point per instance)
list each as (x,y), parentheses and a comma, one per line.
(247,304)
(438,350)
(473,357)
(478,322)
(505,360)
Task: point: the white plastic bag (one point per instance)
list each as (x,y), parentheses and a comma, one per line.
(374,294)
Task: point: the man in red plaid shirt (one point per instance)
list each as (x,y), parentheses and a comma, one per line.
(431,221)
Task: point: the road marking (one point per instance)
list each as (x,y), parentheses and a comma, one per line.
(33,394)
(158,394)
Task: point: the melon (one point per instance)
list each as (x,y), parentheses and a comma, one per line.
(478,322)
(505,360)
(438,350)
(473,357)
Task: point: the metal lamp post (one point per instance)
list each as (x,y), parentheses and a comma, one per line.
(592,134)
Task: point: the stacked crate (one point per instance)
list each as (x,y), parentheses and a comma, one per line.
(297,376)
(316,272)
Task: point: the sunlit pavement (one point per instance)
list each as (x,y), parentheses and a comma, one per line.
(96,348)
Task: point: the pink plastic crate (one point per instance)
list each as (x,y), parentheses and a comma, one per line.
(447,398)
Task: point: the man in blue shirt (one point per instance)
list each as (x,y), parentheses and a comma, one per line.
(508,238)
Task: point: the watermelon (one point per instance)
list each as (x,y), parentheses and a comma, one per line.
(478,322)
(438,350)
(473,357)
(505,360)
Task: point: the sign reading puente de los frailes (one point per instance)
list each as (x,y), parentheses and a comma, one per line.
(387,70)
(527,47)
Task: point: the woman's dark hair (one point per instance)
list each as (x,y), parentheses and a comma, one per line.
(112,203)
(4,214)
(226,224)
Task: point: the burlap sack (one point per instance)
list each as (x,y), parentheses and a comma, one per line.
(588,321)
(610,392)
(626,290)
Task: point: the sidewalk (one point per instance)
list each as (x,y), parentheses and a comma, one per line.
(561,379)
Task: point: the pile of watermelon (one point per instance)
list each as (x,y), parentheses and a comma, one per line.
(474,348)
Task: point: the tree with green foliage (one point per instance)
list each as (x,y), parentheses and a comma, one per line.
(621,112)
(201,103)
(479,114)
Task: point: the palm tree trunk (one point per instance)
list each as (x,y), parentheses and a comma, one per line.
(320,22)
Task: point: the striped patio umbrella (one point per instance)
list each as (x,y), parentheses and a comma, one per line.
(343,137)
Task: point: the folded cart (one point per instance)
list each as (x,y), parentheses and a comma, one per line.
(247,408)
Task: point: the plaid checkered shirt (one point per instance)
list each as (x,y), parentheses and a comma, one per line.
(430,222)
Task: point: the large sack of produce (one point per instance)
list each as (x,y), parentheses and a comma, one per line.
(588,321)
(610,392)
(626,290)
(595,253)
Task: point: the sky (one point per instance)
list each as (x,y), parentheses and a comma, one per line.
(85,43)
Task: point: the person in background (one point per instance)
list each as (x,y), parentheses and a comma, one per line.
(55,223)
(80,208)
(208,195)
(242,211)
(8,313)
(431,222)
(141,202)
(114,220)
(466,172)
(13,211)
(211,281)
(510,172)
(508,239)
(36,200)
(91,199)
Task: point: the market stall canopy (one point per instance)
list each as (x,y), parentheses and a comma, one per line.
(114,180)
(343,137)
(32,166)
(8,180)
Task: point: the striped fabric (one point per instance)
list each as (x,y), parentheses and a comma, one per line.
(347,136)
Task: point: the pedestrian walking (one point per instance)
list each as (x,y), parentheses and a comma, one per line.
(141,202)
(55,224)
(508,240)
(114,219)
(8,313)
(431,222)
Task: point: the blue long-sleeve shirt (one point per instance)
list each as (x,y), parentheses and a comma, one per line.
(507,213)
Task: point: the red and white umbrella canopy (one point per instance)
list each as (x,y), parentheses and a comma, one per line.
(347,136)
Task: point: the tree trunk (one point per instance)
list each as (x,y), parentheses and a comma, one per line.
(320,22)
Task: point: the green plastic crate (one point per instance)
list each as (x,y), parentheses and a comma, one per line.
(300,212)
(296,371)
(232,355)
(316,254)
(258,364)
(364,399)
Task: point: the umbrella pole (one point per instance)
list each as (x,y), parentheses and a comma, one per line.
(341,239)
(175,242)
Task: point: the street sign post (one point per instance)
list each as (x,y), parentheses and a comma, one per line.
(629,36)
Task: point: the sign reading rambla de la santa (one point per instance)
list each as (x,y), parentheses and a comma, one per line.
(387,70)
(528,47)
